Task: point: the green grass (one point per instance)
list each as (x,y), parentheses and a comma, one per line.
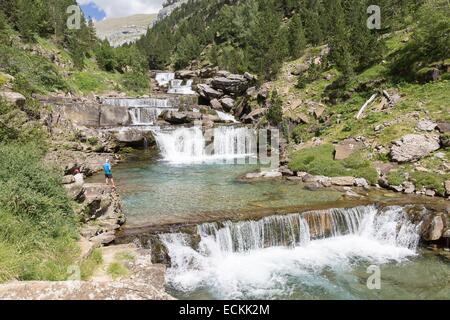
(38,227)
(320,161)
(429,181)
(89,265)
(117,270)
(397,177)
(124,256)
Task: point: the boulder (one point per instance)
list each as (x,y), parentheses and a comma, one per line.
(233,84)
(216,105)
(255,115)
(433,229)
(362,183)
(186,74)
(346,148)
(426,125)
(343,181)
(409,187)
(286,172)
(318,112)
(104,238)
(447,187)
(443,127)
(207,92)
(68,179)
(227,104)
(414,147)
(14,98)
(299,69)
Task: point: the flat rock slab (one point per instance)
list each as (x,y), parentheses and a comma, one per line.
(413,147)
(81,290)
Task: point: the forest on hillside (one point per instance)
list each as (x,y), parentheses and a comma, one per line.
(258,35)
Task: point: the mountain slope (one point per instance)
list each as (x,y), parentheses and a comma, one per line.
(119,31)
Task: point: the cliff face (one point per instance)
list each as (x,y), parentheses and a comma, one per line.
(168,7)
(119,31)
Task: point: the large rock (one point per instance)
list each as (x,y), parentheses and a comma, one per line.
(207,92)
(227,104)
(233,84)
(443,127)
(14,98)
(343,181)
(433,229)
(255,115)
(346,148)
(426,125)
(414,147)
(447,187)
(216,105)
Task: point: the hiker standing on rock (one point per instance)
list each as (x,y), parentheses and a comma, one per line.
(108,174)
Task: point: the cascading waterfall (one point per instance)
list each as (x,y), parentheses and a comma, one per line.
(177,87)
(277,254)
(190,145)
(143,102)
(164,78)
(142,111)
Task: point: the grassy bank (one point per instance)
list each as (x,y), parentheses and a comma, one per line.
(39,230)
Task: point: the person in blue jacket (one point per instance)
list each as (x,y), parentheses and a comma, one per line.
(108,173)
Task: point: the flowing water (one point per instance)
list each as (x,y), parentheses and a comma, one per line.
(313,255)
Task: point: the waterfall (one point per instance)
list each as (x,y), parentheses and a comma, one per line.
(226,117)
(177,87)
(190,145)
(143,102)
(144,116)
(164,78)
(143,111)
(238,259)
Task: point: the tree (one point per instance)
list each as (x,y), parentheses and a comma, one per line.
(187,50)
(296,37)
(339,41)
(275,113)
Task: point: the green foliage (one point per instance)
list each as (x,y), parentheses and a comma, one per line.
(275,113)
(187,50)
(38,226)
(135,82)
(33,73)
(429,43)
(429,181)
(397,177)
(320,161)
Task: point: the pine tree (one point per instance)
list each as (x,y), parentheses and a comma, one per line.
(339,41)
(296,37)
(275,113)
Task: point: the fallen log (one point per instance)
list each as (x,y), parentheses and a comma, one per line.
(364,107)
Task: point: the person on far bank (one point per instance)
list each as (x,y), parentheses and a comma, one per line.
(108,174)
